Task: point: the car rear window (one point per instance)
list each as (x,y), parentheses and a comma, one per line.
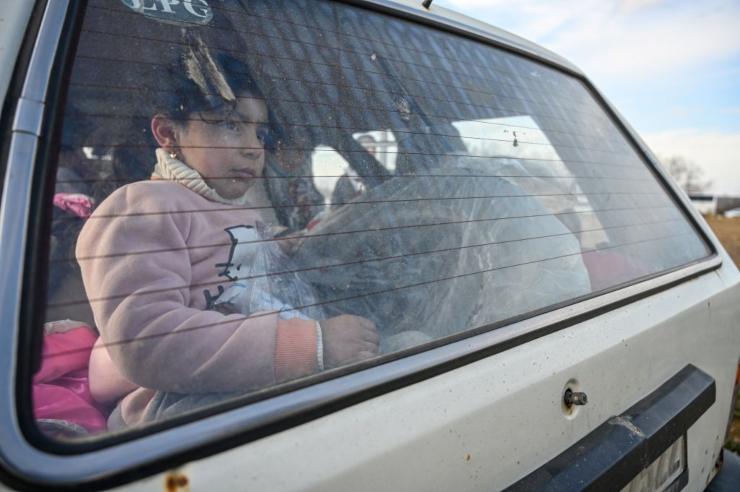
(251,192)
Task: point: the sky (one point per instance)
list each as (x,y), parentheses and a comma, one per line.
(671,67)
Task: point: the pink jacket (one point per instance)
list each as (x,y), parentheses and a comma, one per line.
(153,256)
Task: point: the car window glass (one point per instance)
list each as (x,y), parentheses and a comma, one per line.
(381,144)
(334,177)
(253,192)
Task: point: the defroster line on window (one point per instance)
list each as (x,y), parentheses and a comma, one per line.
(454,75)
(356,262)
(363,231)
(359,296)
(371,202)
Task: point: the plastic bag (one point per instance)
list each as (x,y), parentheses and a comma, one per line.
(265,279)
(441,252)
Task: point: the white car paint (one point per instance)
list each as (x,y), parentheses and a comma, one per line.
(485,425)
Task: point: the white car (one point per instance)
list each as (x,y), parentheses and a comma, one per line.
(341,245)
(732,213)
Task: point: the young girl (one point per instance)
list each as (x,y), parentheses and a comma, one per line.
(157,255)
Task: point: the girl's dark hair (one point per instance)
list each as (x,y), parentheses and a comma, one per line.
(204,81)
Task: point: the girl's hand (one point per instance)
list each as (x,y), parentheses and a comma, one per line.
(348,339)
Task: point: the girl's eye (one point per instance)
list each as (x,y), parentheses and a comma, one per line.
(229,125)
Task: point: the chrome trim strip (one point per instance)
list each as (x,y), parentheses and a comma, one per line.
(42,58)
(13,224)
(29,115)
(20,458)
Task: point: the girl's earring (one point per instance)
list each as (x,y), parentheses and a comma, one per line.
(173,155)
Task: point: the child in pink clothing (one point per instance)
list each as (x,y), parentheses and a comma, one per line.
(156,256)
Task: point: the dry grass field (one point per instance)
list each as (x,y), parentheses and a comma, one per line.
(728,232)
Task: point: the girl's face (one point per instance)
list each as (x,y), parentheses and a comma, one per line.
(228,151)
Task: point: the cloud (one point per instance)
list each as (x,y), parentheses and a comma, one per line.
(576,6)
(621,38)
(648,47)
(717,153)
(629,6)
(527,18)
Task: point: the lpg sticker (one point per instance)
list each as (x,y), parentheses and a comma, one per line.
(174,11)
